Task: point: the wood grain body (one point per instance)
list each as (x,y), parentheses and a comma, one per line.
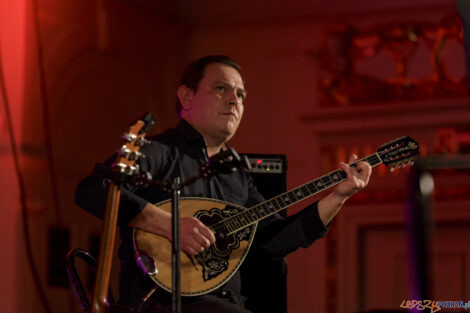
(159,249)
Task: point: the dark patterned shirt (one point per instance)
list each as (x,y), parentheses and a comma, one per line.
(181,151)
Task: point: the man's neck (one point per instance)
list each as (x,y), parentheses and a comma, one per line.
(213,143)
(214,149)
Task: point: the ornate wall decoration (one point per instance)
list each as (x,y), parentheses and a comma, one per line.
(344,48)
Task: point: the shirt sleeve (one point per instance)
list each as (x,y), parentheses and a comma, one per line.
(91,193)
(277,236)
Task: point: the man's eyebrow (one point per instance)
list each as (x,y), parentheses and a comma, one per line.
(227,84)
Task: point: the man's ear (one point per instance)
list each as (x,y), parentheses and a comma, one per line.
(185,96)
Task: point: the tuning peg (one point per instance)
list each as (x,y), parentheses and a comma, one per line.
(124,151)
(127,169)
(141,142)
(392,169)
(120,167)
(411,162)
(132,169)
(128,137)
(134,155)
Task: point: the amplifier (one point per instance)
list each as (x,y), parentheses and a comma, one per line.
(264,280)
(269,173)
(267,163)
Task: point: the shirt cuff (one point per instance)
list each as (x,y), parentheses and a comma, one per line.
(311,222)
(131,205)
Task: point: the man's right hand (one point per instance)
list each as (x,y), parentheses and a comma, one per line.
(194,235)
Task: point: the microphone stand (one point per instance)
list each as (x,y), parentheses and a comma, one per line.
(176,188)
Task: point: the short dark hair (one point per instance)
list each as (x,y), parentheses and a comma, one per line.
(194,72)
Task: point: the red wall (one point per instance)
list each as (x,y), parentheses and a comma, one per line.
(105,63)
(13,29)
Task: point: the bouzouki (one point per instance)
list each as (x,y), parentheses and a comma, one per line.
(123,167)
(234,227)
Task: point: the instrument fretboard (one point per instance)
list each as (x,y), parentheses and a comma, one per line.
(282,201)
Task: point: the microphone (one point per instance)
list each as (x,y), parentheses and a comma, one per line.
(227,162)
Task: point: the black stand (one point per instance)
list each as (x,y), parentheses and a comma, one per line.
(176,258)
(418,212)
(420,225)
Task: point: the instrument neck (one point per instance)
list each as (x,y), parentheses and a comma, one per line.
(282,201)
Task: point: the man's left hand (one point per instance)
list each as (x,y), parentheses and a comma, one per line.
(357,177)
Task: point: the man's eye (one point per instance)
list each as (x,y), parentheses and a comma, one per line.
(241,95)
(220,88)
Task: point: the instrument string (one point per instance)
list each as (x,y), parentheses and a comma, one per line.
(275,205)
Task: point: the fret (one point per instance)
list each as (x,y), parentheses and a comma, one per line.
(227,226)
(335,177)
(326,180)
(311,187)
(319,185)
(271,206)
(261,209)
(280,202)
(253,215)
(292,197)
(264,209)
(255,211)
(286,198)
(236,221)
(298,194)
(305,191)
(374,160)
(379,158)
(243,219)
(232,223)
(228,221)
(248,216)
(275,203)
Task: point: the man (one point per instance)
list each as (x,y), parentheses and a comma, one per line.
(210,98)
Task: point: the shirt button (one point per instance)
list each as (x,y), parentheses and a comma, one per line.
(224,293)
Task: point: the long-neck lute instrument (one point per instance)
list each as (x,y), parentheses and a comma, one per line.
(124,166)
(234,227)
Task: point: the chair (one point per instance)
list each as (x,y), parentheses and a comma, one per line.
(77,285)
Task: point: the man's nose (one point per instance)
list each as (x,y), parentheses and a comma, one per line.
(233,98)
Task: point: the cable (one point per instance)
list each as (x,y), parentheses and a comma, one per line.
(24,212)
(146,297)
(45,115)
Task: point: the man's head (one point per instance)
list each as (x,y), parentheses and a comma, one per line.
(194,72)
(211,97)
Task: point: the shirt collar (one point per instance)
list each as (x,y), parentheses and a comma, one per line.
(189,132)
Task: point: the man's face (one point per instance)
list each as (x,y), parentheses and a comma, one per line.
(216,108)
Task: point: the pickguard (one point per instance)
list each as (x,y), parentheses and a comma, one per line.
(214,260)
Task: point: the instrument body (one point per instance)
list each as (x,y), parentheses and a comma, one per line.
(208,270)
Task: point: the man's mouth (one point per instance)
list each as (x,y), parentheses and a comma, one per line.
(231,114)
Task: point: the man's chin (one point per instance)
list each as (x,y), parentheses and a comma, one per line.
(229,132)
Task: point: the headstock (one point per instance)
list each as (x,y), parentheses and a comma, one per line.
(134,139)
(399,152)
